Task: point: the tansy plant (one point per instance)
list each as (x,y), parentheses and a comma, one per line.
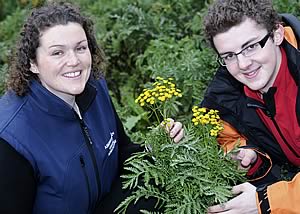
(160,97)
(186,177)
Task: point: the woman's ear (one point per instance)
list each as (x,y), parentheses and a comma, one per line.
(34,68)
(278,35)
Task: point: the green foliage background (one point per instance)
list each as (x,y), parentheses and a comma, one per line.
(142,39)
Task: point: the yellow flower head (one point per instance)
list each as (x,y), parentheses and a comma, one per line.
(166,122)
(160,91)
(205,116)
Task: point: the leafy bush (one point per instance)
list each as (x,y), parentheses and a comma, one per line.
(288,6)
(186,177)
(3,74)
(191,67)
(9,30)
(131,33)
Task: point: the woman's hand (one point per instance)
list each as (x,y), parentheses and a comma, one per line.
(175,129)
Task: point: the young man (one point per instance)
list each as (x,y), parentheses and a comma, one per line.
(256,91)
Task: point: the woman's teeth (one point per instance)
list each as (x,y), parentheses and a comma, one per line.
(72,74)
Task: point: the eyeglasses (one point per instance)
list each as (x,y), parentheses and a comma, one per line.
(250,50)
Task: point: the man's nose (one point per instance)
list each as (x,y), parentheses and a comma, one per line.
(243,61)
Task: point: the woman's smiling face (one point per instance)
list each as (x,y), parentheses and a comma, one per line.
(63,60)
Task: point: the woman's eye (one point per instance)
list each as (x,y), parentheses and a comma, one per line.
(57,53)
(81,48)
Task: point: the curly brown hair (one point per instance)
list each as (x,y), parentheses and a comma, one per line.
(39,20)
(224,14)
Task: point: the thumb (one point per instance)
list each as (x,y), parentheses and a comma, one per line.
(249,158)
(167,124)
(246,161)
(237,189)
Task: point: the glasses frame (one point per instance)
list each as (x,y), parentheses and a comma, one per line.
(261,43)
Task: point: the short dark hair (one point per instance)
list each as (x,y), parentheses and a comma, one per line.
(224,14)
(39,20)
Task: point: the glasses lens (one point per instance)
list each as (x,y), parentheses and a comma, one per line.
(253,49)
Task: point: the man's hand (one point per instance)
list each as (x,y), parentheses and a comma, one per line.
(245,157)
(244,202)
(175,129)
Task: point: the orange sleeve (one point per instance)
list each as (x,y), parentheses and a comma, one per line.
(284,197)
(229,138)
(290,36)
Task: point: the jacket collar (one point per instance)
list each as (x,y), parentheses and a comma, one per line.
(53,105)
(293,58)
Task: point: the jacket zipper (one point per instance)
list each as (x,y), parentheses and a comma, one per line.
(283,138)
(276,126)
(89,144)
(82,163)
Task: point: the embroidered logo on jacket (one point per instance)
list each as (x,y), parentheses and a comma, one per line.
(110,145)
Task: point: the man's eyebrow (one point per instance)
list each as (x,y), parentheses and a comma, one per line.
(58,45)
(249,42)
(243,46)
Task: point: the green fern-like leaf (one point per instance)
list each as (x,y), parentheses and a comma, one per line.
(186,177)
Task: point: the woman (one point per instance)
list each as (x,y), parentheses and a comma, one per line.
(62,143)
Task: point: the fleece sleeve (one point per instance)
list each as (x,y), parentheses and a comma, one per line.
(17,182)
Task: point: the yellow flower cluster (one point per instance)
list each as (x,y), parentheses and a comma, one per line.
(161,90)
(204,116)
(166,123)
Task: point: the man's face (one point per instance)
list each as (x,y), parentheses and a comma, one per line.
(257,71)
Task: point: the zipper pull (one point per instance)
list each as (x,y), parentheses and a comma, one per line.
(88,135)
(86,131)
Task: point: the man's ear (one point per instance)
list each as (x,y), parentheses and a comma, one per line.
(34,68)
(278,35)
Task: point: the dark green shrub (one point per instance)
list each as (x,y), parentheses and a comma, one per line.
(9,30)
(191,67)
(288,6)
